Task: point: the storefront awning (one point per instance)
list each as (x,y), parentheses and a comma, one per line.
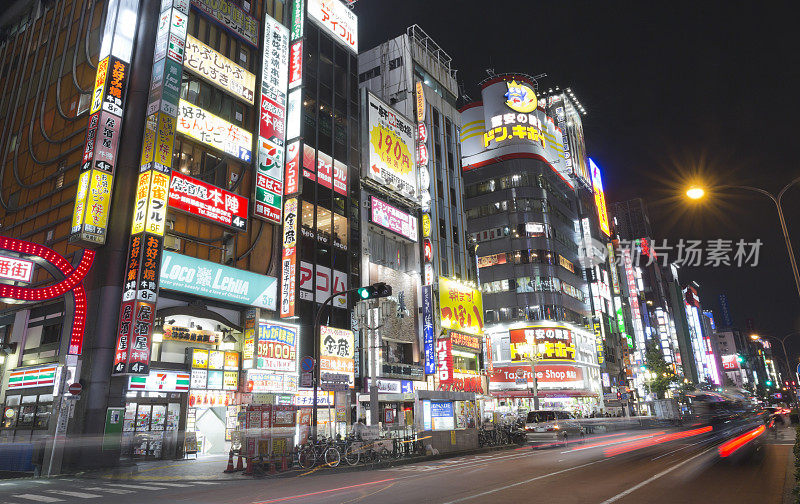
(542,393)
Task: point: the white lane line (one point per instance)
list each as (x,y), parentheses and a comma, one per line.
(525,482)
(200,483)
(679,449)
(653,478)
(136,487)
(180,485)
(117,491)
(38,498)
(68,493)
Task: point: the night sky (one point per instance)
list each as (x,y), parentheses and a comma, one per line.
(684,91)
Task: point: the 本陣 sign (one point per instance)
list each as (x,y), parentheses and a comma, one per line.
(393,219)
(199,198)
(214,131)
(461,306)
(217,69)
(207,279)
(390,139)
(337,353)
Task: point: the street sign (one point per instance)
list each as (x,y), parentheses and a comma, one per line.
(307,364)
(75,388)
(305,379)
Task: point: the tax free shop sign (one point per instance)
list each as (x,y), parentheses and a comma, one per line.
(211,280)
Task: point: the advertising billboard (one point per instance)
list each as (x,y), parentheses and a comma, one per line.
(276,349)
(205,200)
(160,381)
(328,172)
(444,361)
(547,376)
(599,197)
(393,219)
(391,149)
(461,306)
(317,283)
(336,19)
(337,353)
(272,122)
(216,281)
(550,343)
(230,16)
(213,131)
(215,68)
(428,329)
(508,123)
(289,258)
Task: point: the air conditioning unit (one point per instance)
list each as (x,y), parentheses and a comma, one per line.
(172,242)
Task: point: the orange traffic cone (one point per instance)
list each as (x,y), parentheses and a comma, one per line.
(249,470)
(230,468)
(239,463)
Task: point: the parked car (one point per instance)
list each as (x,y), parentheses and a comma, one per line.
(553,426)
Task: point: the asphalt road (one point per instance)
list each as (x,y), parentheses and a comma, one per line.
(669,466)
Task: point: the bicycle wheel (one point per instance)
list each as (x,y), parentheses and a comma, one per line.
(306,458)
(332,456)
(352,454)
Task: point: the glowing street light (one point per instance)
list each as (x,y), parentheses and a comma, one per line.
(696,193)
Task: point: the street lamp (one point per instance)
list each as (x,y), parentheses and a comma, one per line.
(697,192)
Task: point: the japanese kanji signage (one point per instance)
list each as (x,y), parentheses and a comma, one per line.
(391,160)
(337,353)
(428,334)
(272,122)
(277,348)
(18,270)
(328,172)
(599,197)
(461,306)
(143,265)
(213,203)
(217,69)
(393,219)
(337,20)
(208,279)
(289,258)
(444,361)
(214,131)
(545,343)
(95,184)
(231,17)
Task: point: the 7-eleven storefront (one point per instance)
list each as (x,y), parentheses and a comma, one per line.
(154,414)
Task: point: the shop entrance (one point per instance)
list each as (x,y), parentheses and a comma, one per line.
(150,428)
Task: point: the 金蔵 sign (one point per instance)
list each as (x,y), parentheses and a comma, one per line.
(337,353)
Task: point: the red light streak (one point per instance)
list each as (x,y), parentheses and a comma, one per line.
(727,448)
(645,443)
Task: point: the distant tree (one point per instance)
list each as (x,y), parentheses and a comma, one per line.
(664,374)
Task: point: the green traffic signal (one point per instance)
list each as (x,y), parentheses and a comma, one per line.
(374,291)
(769,383)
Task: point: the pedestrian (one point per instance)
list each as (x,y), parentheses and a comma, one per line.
(358,427)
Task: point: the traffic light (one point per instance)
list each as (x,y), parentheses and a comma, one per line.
(375,291)
(739,359)
(768,383)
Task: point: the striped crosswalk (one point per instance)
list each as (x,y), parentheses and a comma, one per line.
(92,490)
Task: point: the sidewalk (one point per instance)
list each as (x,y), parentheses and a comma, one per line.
(205,467)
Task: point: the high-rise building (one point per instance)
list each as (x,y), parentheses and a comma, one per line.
(522,213)
(632,220)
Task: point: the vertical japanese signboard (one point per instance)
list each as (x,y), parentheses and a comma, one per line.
(140,287)
(96,181)
(272,122)
(428,329)
(289,258)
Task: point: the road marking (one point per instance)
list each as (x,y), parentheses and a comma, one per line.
(68,493)
(180,485)
(117,491)
(679,449)
(199,483)
(281,499)
(136,487)
(653,478)
(531,480)
(38,498)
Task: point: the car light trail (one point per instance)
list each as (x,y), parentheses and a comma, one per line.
(727,448)
(645,443)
